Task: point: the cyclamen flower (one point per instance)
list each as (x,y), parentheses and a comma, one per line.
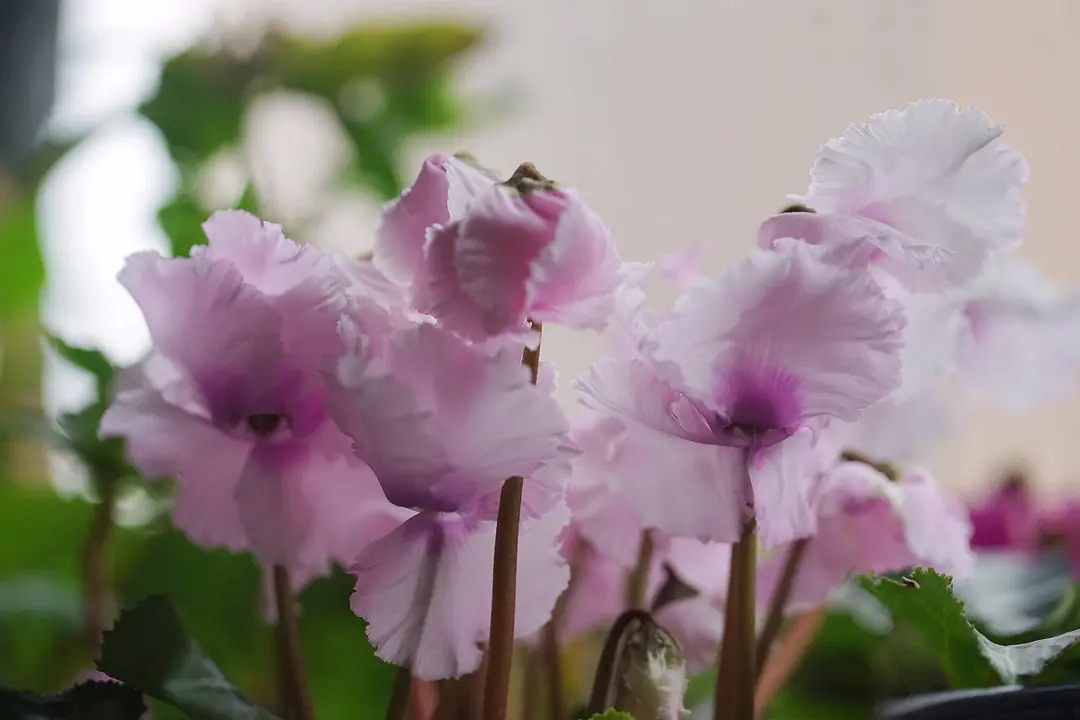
(736,380)
(443,424)
(524,249)
(869,523)
(441,193)
(231,399)
(1023,337)
(928,193)
(1007,519)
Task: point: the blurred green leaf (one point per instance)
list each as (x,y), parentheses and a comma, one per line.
(104,458)
(970,659)
(41,545)
(925,599)
(181,218)
(398,53)
(44,158)
(149,649)
(199,104)
(24,269)
(92,361)
(612,715)
(93,700)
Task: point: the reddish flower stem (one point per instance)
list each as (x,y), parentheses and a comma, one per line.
(294,683)
(737,670)
(399,695)
(779,600)
(504,581)
(789,651)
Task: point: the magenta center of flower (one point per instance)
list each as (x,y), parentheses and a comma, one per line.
(265,425)
(759,406)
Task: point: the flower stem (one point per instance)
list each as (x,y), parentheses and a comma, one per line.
(95,573)
(735,683)
(779,600)
(553,669)
(790,650)
(504,579)
(294,684)
(637,584)
(399,696)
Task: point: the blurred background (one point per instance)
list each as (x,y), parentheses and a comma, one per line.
(124,123)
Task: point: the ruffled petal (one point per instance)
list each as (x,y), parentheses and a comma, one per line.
(782,477)
(266,259)
(477,267)
(936,173)
(830,334)
(201,315)
(424,589)
(703,493)
(452,423)
(683,269)
(162,440)
(573,280)
(441,192)
(275,510)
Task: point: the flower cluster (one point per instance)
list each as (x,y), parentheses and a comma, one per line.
(318,409)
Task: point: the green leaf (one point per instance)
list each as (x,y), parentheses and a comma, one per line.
(970,659)
(104,457)
(24,269)
(925,599)
(92,361)
(400,52)
(199,104)
(87,701)
(612,715)
(149,649)
(181,218)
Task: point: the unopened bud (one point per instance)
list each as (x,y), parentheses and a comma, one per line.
(649,673)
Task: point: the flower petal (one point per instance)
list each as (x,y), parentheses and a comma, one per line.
(424,589)
(782,476)
(441,192)
(203,316)
(573,280)
(831,329)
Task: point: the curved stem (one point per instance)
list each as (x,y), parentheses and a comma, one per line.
(504,579)
(779,600)
(294,683)
(95,573)
(605,668)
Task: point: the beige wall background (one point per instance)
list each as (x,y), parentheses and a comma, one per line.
(689,120)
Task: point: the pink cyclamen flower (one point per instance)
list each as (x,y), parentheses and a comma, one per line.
(441,193)
(928,193)
(869,523)
(231,399)
(1023,337)
(736,380)
(523,249)
(1006,519)
(443,424)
